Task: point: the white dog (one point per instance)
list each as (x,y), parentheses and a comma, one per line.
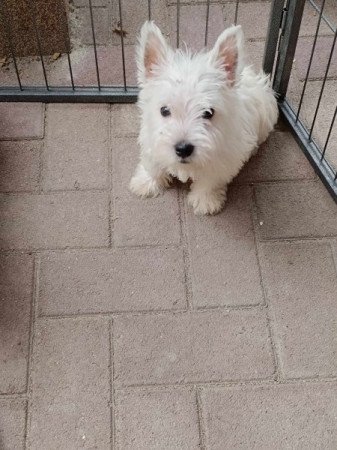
(202,116)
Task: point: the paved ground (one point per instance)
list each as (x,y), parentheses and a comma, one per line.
(136,324)
(132,324)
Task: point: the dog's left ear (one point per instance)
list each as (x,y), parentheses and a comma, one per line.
(227,52)
(152,51)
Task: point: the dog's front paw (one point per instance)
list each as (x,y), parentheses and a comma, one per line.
(206,202)
(144,185)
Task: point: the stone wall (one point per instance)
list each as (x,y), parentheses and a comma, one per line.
(51,23)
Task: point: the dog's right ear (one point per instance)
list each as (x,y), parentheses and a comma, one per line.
(152,51)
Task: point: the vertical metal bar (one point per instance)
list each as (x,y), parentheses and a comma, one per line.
(7,25)
(288,46)
(71,72)
(94,42)
(38,41)
(323,86)
(275,19)
(236,12)
(178,22)
(149,9)
(329,133)
(310,60)
(207,21)
(122,41)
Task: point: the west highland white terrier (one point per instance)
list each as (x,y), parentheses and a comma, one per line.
(202,116)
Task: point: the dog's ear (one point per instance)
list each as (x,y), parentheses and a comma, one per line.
(152,51)
(227,52)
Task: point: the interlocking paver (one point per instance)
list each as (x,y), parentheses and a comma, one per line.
(21,120)
(135,13)
(81,31)
(70,385)
(16,290)
(76,148)
(19,165)
(70,219)
(101,281)
(301,285)
(191,347)
(278,159)
(324,116)
(12,424)
(157,419)
(194,36)
(253,17)
(295,209)
(319,60)
(153,221)
(223,256)
(125,157)
(124,120)
(265,417)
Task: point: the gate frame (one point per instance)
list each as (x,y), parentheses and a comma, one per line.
(280,50)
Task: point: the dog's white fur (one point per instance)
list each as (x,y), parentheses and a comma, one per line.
(245,111)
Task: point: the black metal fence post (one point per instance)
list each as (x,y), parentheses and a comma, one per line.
(274,25)
(287,46)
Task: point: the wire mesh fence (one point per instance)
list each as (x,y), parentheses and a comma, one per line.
(94,59)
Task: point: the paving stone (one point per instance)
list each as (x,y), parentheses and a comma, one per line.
(191,347)
(157,419)
(301,284)
(320,58)
(19,165)
(324,115)
(279,158)
(21,120)
(265,417)
(295,209)
(125,157)
(55,220)
(103,281)
(12,424)
(152,221)
(254,17)
(76,149)
(110,63)
(16,290)
(190,15)
(134,14)
(223,256)
(310,20)
(125,120)
(70,385)
(254,52)
(81,30)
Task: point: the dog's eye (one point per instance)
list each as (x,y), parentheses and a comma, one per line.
(208,114)
(164,111)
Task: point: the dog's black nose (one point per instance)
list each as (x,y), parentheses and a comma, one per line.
(184,149)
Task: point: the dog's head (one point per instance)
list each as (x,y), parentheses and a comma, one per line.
(186,98)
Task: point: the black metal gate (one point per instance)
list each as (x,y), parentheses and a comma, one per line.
(282,44)
(314,128)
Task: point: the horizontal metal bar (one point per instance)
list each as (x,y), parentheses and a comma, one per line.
(68,95)
(310,149)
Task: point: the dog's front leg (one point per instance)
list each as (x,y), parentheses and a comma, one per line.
(207,197)
(148,181)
